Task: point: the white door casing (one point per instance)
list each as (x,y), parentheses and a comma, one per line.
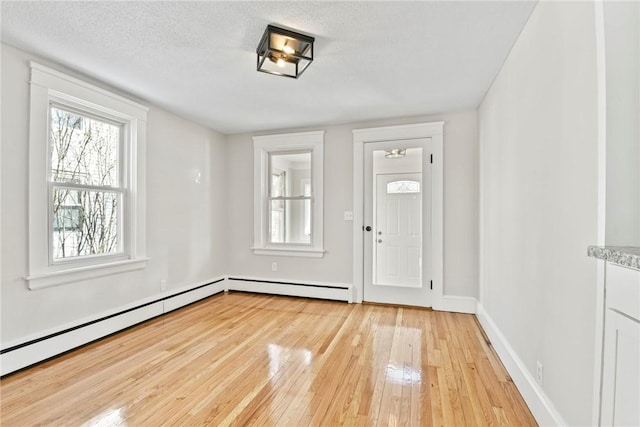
(363,137)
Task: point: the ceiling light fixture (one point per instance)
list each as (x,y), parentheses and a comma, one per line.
(284,52)
(395,153)
(288,49)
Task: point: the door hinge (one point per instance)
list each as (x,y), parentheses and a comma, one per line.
(432,158)
(431,285)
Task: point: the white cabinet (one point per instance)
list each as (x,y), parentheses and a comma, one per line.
(621,352)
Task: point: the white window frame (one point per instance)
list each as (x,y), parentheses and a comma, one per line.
(49,87)
(264,146)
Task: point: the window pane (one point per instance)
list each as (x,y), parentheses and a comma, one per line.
(277,221)
(85,223)
(288,173)
(290,221)
(83,150)
(278,182)
(307,210)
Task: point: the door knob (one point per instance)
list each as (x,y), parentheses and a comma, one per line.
(368,228)
(379,240)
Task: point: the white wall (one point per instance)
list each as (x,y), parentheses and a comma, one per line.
(622,50)
(186,194)
(460,207)
(538,157)
(410,163)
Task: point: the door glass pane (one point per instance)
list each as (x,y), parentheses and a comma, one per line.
(403,187)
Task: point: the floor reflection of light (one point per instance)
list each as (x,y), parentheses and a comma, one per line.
(298,379)
(111,417)
(399,367)
(403,374)
(278,355)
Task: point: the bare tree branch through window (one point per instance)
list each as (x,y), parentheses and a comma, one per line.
(86,190)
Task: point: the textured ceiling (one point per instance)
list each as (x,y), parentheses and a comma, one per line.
(373,60)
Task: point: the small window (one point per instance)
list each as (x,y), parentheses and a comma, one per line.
(288,194)
(289,203)
(399,187)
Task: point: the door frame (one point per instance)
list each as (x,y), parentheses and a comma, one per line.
(432,130)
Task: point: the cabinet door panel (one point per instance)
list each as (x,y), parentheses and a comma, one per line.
(621,371)
(623,290)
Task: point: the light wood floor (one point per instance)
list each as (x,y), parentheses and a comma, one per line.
(243,359)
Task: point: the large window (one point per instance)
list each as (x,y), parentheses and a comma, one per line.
(86,185)
(86,189)
(288,194)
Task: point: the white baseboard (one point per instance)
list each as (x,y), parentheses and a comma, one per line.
(537,400)
(194,293)
(456,304)
(18,355)
(33,349)
(331,291)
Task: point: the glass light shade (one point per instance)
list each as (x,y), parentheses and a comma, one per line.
(284,52)
(395,153)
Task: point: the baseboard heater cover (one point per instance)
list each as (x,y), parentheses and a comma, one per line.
(337,292)
(28,353)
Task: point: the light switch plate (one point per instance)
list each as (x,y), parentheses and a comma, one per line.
(348,215)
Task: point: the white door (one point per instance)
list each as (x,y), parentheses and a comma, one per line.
(398,230)
(397,218)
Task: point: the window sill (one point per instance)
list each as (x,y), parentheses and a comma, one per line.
(46,280)
(295,252)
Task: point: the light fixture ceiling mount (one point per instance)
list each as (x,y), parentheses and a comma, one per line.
(284,52)
(395,153)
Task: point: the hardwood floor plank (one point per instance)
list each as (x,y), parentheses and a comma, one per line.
(243,359)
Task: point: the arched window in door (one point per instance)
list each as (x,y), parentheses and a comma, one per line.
(402,187)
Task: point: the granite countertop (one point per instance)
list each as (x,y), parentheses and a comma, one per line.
(628,256)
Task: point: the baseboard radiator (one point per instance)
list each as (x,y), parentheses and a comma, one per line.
(331,291)
(17,356)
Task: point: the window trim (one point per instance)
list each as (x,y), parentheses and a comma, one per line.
(263,147)
(51,87)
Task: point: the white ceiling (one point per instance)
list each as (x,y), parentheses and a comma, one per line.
(373,60)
